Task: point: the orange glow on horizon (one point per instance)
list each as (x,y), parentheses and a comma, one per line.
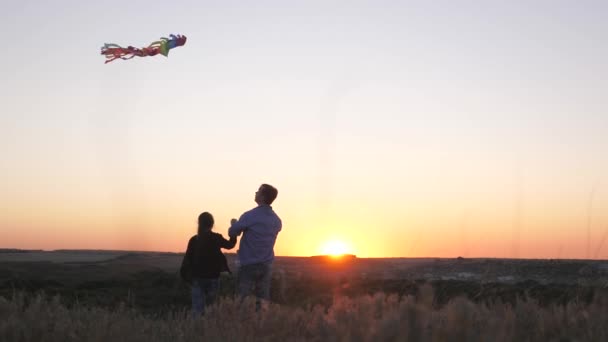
(336,248)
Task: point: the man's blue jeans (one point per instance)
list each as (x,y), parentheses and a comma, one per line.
(255,279)
(204,292)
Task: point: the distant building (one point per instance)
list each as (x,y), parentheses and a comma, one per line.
(334,258)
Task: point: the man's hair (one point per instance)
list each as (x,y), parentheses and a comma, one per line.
(269,193)
(205,222)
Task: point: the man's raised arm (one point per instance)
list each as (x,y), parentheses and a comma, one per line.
(237,226)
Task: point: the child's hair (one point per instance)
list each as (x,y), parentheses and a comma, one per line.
(205,222)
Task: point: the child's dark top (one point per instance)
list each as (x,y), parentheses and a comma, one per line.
(204,258)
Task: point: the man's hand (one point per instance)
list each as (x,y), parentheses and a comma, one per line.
(232,223)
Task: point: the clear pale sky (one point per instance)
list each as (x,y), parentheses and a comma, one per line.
(398,128)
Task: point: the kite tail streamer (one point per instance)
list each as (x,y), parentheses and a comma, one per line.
(114,51)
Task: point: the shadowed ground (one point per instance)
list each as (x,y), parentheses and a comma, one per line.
(149,281)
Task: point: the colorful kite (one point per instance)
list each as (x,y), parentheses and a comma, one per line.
(113,51)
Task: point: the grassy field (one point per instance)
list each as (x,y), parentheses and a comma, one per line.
(379,317)
(97,295)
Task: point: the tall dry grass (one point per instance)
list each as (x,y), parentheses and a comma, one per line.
(379,317)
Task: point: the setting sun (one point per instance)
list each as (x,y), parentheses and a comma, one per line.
(335,248)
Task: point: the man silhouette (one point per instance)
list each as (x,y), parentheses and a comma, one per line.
(260,227)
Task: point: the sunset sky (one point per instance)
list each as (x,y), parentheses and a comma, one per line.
(390,128)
